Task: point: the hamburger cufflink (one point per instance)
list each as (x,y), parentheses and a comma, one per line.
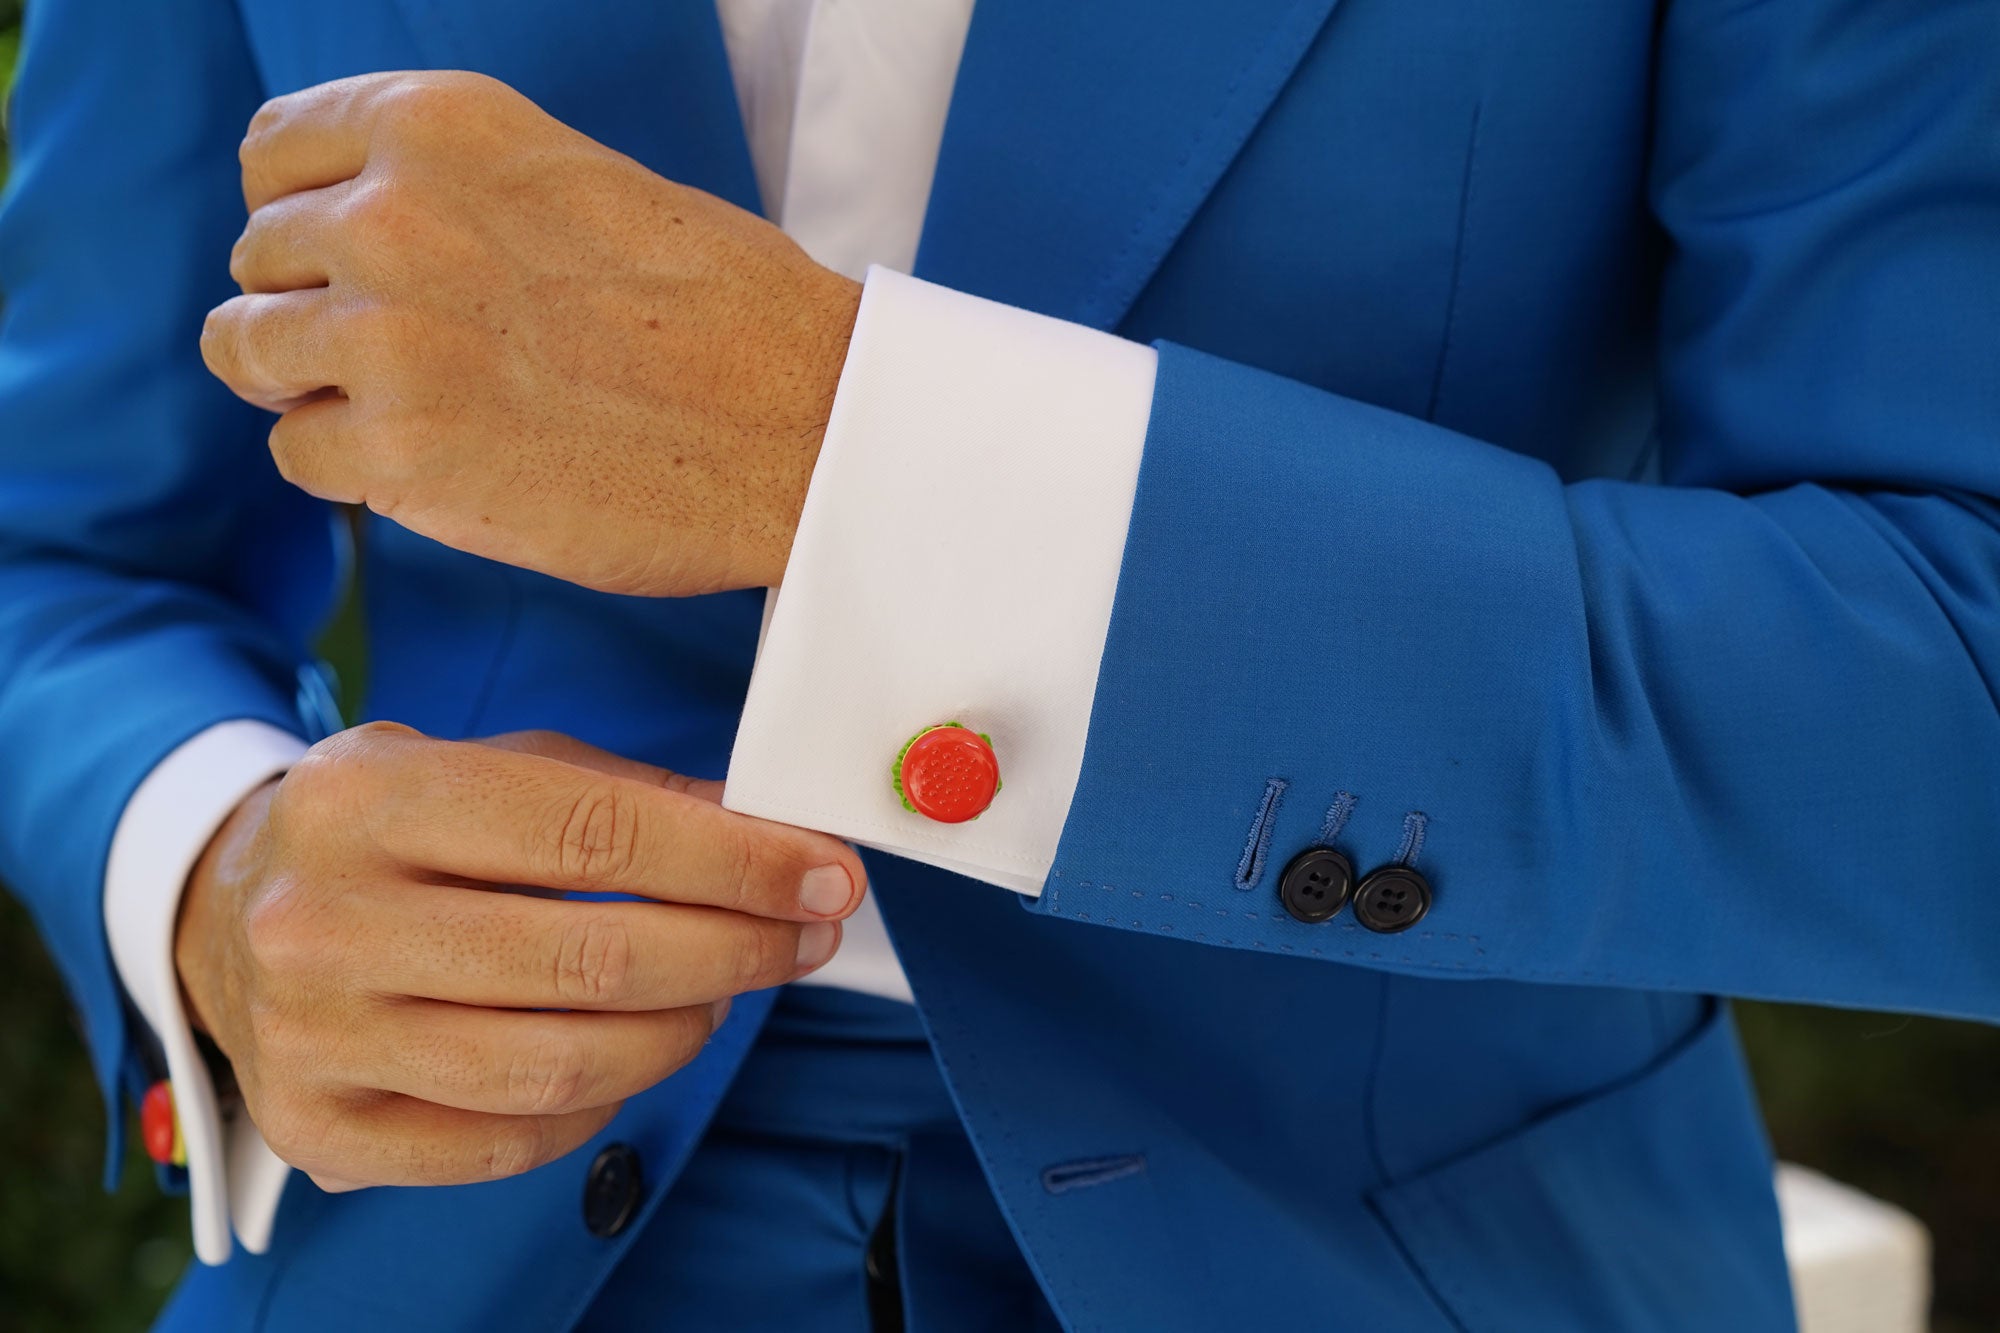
(948,773)
(160,1128)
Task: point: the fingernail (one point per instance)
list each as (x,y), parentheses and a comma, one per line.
(825,890)
(816,943)
(721,1011)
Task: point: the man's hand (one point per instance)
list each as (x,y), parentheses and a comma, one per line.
(395,1015)
(514,340)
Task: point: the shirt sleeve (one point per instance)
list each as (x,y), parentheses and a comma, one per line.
(955,561)
(166,825)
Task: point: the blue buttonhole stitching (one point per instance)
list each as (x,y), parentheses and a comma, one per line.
(1413,837)
(1066,1176)
(1336,816)
(1251,868)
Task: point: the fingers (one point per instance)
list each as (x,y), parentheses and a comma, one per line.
(570,750)
(398,1140)
(522,1063)
(306,443)
(511,952)
(289,243)
(313,138)
(271,349)
(505,817)
(326,134)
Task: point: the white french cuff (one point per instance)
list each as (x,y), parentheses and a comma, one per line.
(956,561)
(166,824)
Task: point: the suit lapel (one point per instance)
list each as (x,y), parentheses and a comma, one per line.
(1082,138)
(649,79)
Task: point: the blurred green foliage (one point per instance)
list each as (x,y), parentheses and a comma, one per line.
(1907,1109)
(10,46)
(71,1257)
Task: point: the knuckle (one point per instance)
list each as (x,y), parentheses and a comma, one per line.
(414,108)
(693,1038)
(431,93)
(293,466)
(762,954)
(293,1133)
(594,963)
(368,750)
(265,118)
(335,765)
(511,1148)
(265,122)
(471,84)
(548,1078)
(350,784)
(398,731)
(596,840)
(316,775)
(406,104)
(296,1024)
(305,1129)
(680,784)
(741,856)
(531,741)
(260,144)
(275,934)
(379,211)
(220,344)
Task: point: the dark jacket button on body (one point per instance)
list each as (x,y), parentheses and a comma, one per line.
(1316,884)
(611,1190)
(1391,899)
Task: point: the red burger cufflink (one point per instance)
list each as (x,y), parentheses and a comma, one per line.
(948,773)
(160,1128)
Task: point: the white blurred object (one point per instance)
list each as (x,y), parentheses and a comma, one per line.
(1858,1265)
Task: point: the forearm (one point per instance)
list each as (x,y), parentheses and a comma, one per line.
(106,676)
(1708,735)
(155,577)
(1583,709)
(1660,736)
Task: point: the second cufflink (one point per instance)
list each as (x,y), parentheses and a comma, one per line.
(160,1127)
(948,773)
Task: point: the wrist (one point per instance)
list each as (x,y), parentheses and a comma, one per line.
(199,936)
(827,326)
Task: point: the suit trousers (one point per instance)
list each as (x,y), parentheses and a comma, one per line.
(837,1132)
(833,1192)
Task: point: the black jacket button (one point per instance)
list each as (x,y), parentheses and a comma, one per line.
(1391,899)
(611,1191)
(1316,884)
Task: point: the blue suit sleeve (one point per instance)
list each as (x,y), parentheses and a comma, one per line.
(1736,733)
(156,577)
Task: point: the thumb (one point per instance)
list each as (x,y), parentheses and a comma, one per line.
(582,754)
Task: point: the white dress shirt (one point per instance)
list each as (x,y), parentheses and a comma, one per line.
(1003,445)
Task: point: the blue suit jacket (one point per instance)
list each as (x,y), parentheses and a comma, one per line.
(1577,421)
